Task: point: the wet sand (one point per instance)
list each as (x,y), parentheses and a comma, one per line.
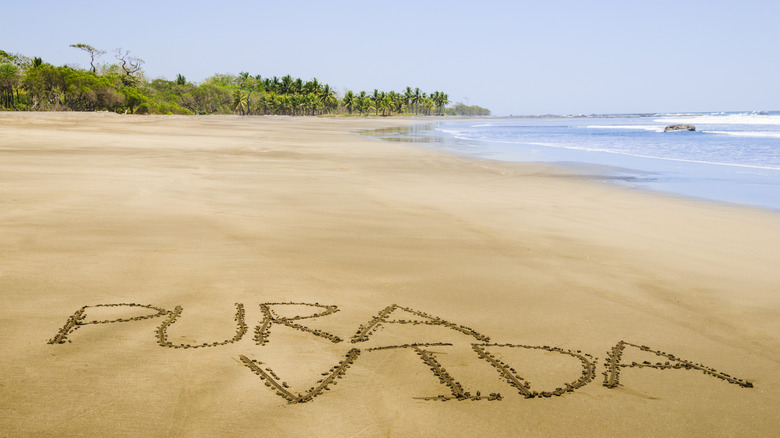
(205,276)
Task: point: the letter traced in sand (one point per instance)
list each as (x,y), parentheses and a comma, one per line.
(78,319)
(282,388)
(509,375)
(162,331)
(446,379)
(366,330)
(263,330)
(613,365)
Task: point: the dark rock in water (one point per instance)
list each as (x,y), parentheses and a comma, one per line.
(679,128)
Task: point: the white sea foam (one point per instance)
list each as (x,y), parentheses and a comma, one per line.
(653,128)
(756,134)
(657,157)
(466,135)
(730,119)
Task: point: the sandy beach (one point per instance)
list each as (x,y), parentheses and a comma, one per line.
(276,276)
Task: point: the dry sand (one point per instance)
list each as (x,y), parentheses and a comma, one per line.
(233,229)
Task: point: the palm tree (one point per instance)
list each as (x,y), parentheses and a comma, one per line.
(396,102)
(286,105)
(439,100)
(328,97)
(240,101)
(387,104)
(262,103)
(312,86)
(286,85)
(316,104)
(270,84)
(272,102)
(365,103)
(296,101)
(399,103)
(444,100)
(359,102)
(349,101)
(10,79)
(428,104)
(375,97)
(417,97)
(408,96)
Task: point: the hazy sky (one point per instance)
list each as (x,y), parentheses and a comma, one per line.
(514,57)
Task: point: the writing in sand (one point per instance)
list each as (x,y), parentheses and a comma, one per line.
(290,314)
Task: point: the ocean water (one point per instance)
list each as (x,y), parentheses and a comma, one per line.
(731,157)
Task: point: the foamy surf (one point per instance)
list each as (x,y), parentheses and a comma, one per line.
(726,119)
(731,157)
(755,134)
(651,128)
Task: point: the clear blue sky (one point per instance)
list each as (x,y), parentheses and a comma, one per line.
(514,57)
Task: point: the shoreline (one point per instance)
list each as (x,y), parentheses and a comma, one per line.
(216,267)
(697,180)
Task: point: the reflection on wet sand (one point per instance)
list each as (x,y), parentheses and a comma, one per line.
(406,134)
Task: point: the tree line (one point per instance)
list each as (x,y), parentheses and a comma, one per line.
(30,84)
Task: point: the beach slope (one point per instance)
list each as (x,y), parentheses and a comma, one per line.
(206,276)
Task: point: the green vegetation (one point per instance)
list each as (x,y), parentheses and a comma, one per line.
(465,110)
(33,85)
